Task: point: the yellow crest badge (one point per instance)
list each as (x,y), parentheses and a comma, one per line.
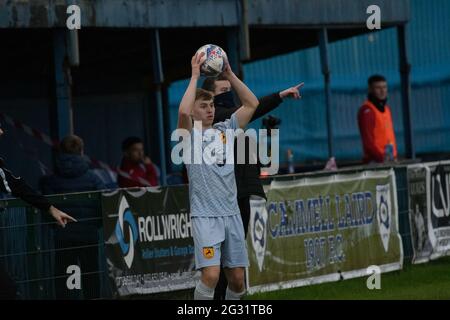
(208,252)
(223,137)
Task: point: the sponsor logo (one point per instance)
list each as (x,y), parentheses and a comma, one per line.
(126,220)
(258,229)
(384,213)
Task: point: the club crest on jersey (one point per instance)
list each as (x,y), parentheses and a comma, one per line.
(208,252)
(223,137)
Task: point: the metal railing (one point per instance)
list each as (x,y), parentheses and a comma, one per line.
(35,252)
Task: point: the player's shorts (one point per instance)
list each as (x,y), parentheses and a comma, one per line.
(219,241)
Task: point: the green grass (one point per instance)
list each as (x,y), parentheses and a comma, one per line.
(424,281)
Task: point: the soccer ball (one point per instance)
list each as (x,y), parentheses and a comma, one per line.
(215,60)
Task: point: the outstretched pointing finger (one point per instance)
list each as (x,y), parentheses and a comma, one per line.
(66,216)
(300,85)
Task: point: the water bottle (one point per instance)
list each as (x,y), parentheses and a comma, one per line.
(389,152)
(290,160)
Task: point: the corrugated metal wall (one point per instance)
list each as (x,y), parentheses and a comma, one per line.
(352,61)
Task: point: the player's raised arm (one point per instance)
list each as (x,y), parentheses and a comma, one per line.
(249,102)
(187,103)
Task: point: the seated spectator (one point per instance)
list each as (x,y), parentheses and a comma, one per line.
(136,165)
(72,173)
(77,243)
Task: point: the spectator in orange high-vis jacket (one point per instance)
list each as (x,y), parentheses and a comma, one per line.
(375,123)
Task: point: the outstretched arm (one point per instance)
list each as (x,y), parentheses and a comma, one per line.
(272,101)
(187,103)
(20,189)
(266,104)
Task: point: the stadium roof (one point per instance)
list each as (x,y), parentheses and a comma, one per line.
(289,24)
(194,13)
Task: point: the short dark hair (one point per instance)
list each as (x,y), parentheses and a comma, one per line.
(72,144)
(128,142)
(375,78)
(210,83)
(202,94)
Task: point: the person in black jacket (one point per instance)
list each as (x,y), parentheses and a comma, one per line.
(17,187)
(247,175)
(78,243)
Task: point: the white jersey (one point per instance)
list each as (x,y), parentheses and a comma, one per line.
(212,186)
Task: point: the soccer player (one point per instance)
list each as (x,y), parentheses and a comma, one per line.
(216,221)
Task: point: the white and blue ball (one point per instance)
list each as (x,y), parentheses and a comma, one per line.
(215,60)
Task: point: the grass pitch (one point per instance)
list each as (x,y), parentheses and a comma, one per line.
(424,281)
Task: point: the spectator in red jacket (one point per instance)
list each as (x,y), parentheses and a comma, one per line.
(138,166)
(375,123)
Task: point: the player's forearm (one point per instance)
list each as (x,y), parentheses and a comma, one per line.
(186,104)
(189,98)
(246,96)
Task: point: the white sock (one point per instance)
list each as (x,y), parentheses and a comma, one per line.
(203,292)
(231,295)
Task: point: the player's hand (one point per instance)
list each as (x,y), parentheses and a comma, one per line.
(196,61)
(61,217)
(227,72)
(293,92)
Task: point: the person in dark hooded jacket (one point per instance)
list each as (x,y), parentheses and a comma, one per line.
(78,243)
(18,187)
